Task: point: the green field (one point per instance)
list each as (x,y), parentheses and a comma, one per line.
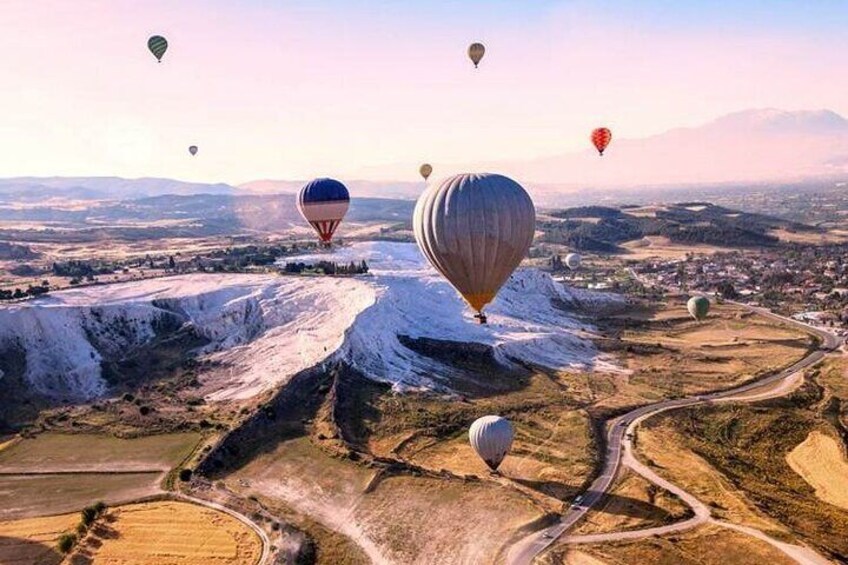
(55,473)
(37,495)
(54,452)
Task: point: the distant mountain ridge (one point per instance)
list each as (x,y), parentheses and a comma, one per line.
(102,188)
(750,146)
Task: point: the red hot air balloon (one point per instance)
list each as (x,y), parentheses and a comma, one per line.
(601,138)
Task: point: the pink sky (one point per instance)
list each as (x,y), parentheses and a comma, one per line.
(297,90)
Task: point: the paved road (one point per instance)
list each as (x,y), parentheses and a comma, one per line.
(619,451)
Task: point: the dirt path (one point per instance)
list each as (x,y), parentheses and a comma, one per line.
(620,453)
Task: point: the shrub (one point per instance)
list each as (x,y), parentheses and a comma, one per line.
(66,542)
(144,410)
(89,514)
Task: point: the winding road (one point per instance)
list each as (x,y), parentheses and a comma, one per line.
(619,453)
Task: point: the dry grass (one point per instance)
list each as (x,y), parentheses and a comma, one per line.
(832,236)
(819,459)
(633,503)
(551,452)
(660,247)
(403,519)
(661,447)
(53,452)
(707,545)
(735,458)
(32,541)
(672,355)
(160,533)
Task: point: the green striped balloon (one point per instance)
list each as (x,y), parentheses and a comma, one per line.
(157,45)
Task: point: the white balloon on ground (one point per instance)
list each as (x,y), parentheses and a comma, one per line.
(491,437)
(573,261)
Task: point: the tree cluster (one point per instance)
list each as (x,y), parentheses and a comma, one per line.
(327,268)
(31,291)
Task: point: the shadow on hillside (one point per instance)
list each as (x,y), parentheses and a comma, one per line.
(631,507)
(18,550)
(555,489)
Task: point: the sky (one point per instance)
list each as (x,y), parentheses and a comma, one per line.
(294,90)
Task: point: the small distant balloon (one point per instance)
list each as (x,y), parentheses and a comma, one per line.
(192,149)
(601,137)
(426,170)
(573,261)
(698,307)
(157,45)
(476,52)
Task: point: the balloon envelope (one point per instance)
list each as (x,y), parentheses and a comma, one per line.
(475,229)
(323,203)
(157,45)
(426,170)
(601,137)
(476,52)
(698,307)
(491,437)
(192,149)
(573,261)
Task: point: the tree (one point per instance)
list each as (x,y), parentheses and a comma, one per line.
(726,290)
(185,475)
(171,263)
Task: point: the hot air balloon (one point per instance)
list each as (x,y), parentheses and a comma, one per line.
(323,203)
(476,52)
(573,261)
(192,149)
(698,307)
(426,170)
(601,138)
(491,437)
(475,229)
(157,45)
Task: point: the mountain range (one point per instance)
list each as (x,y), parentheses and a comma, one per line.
(751,146)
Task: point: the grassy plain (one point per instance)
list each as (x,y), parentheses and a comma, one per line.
(53,473)
(54,452)
(37,495)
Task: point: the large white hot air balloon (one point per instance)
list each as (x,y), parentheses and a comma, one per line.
(573,261)
(475,229)
(491,437)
